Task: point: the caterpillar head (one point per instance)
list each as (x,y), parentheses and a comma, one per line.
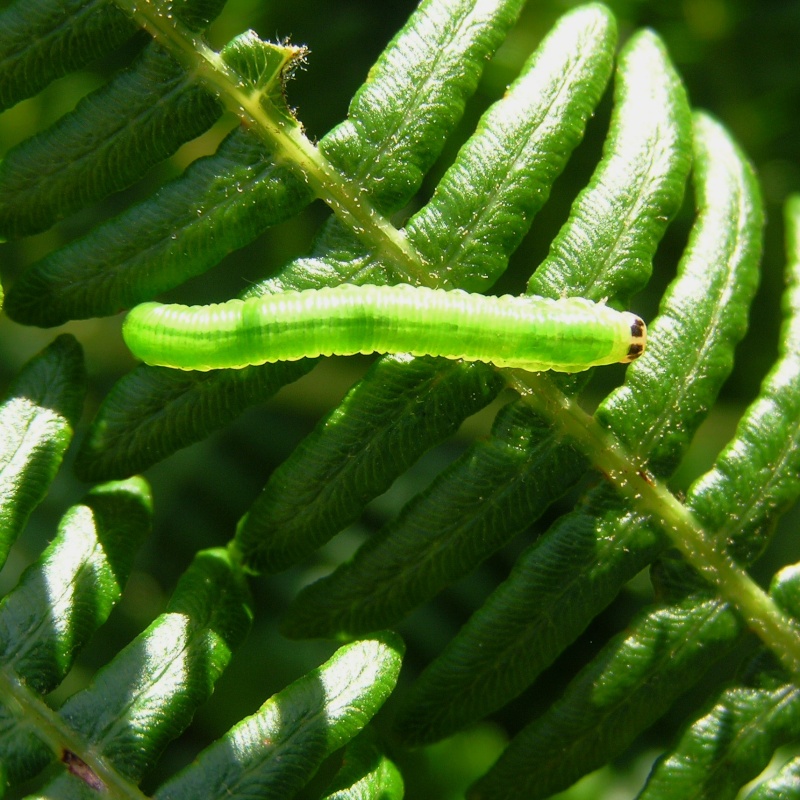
(638,341)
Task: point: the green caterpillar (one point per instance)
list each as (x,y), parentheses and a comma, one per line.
(532,333)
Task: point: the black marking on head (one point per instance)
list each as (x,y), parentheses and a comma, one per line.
(638,329)
(635,350)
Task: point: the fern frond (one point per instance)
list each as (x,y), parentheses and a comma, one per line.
(388,144)
(476,211)
(671,647)
(149,692)
(63,169)
(499,487)
(484,223)
(109,735)
(151,411)
(113,136)
(734,741)
(59,603)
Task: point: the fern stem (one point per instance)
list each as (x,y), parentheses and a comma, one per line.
(53,730)
(284,135)
(651,497)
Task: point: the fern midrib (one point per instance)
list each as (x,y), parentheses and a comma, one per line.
(50,727)
(290,144)
(651,497)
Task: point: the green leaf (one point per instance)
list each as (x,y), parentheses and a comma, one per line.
(276,751)
(366,774)
(702,318)
(607,245)
(633,681)
(152,411)
(60,602)
(485,202)
(264,68)
(390,140)
(41,40)
(37,419)
(330,476)
(785,784)
(463,517)
(220,203)
(764,452)
(466,233)
(63,169)
(48,615)
(730,745)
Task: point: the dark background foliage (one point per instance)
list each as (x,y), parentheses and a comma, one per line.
(738,59)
